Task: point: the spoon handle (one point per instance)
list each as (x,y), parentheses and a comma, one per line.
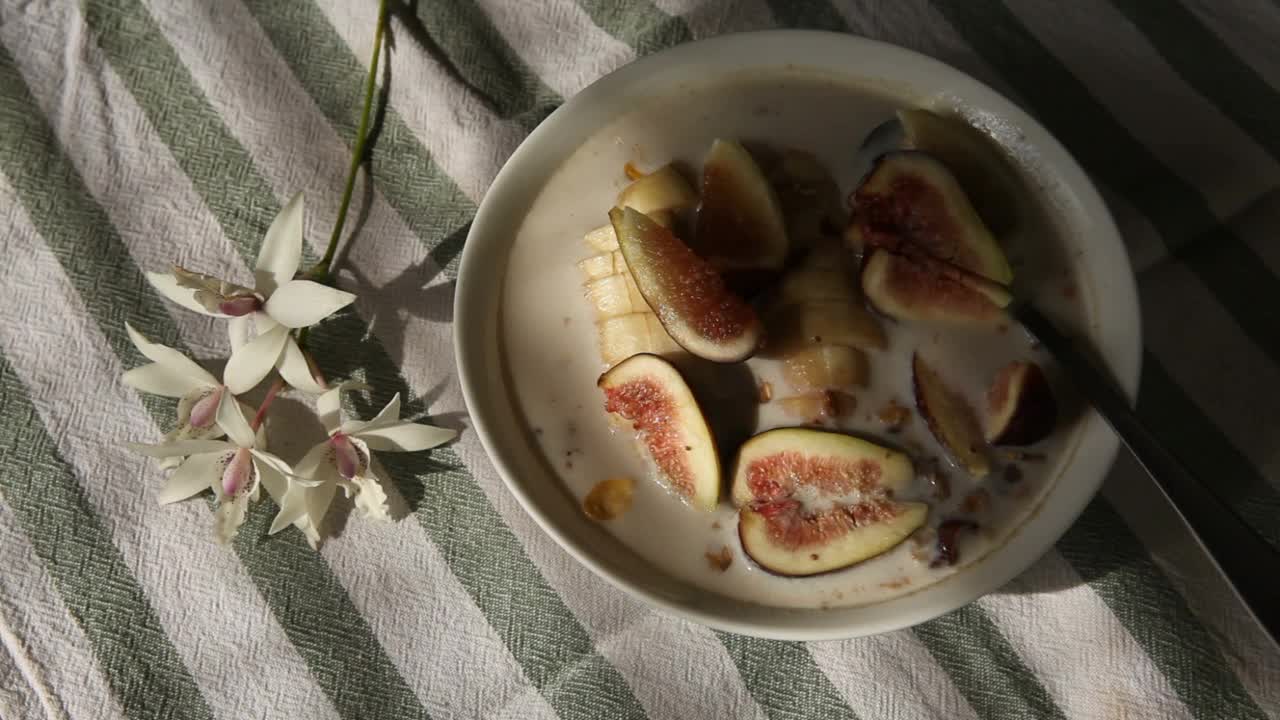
(1250,563)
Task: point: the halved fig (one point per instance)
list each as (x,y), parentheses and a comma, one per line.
(626,335)
(739,224)
(603,239)
(812,502)
(825,367)
(917,287)
(686,293)
(662,189)
(911,198)
(823,322)
(1021,409)
(652,395)
(981,166)
(949,418)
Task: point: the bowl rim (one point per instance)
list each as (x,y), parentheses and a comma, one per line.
(1124,359)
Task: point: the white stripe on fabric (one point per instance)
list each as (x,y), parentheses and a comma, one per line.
(1248,27)
(891,676)
(1087,661)
(580,54)
(1227,167)
(40,634)
(708,18)
(193,587)
(446,117)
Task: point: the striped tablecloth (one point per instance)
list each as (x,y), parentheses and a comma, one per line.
(134,132)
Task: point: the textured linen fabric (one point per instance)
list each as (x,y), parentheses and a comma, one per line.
(138,132)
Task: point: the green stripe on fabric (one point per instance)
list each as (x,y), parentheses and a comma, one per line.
(426,198)
(1111,558)
(1235,274)
(1203,447)
(985,667)
(1208,64)
(542,634)
(460,36)
(352,670)
(784,679)
(638,23)
(137,659)
(545,638)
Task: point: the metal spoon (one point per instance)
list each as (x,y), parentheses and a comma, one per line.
(1248,561)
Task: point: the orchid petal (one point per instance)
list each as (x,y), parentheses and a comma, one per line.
(388,415)
(254,361)
(293,507)
(296,371)
(263,323)
(228,518)
(157,379)
(169,358)
(318,501)
(238,331)
(300,303)
(168,286)
(196,474)
(231,420)
(329,405)
(271,475)
(308,466)
(181,447)
(281,249)
(370,499)
(405,437)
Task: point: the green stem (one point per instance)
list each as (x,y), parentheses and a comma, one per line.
(321,271)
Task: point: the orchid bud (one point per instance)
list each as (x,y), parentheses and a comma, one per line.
(345,455)
(238,474)
(205,411)
(240,305)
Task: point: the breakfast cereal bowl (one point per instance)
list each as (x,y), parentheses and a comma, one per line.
(529,345)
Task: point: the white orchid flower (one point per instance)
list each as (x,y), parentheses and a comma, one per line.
(234,469)
(276,305)
(344,460)
(172,374)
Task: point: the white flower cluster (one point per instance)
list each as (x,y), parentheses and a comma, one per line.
(235,468)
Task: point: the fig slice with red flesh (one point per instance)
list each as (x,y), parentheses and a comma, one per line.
(652,395)
(910,198)
(687,294)
(740,224)
(811,502)
(913,286)
(949,418)
(1021,409)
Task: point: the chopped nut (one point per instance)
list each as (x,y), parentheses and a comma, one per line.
(894,416)
(720,560)
(1021,455)
(609,499)
(633,172)
(764,392)
(976,501)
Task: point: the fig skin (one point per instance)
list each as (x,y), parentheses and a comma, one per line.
(912,286)
(911,198)
(721,327)
(694,443)
(1021,408)
(950,419)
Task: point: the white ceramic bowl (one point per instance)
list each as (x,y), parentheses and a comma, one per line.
(701,68)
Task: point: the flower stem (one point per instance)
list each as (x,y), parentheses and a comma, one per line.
(321,271)
(261,415)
